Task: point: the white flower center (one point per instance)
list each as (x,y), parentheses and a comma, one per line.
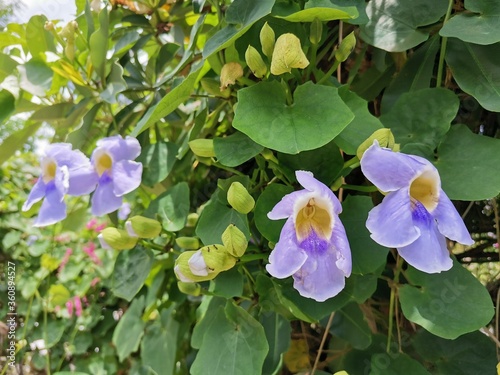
(313,215)
(425,189)
(49,169)
(102,161)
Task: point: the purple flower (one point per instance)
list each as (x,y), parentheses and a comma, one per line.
(313,246)
(116,172)
(64,171)
(415,215)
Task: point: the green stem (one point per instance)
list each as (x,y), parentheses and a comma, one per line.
(392,301)
(366,189)
(442,52)
(354,162)
(251,257)
(329,73)
(229,169)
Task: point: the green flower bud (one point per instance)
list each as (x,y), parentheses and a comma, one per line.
(316,31)
(184,267)
(118,239)
(192,219)
(346,47)
(188,243)
(267,40)
(229,74)
(287,54)
(202,147)
(193,289)
(142,227)
(384,137)
(255,62)
(234,241)
(217,258)
(239,198)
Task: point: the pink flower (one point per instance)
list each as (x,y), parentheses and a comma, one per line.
(89,249)
(100,227)
(78,306)
(94,281)
(91,224)
(69,307)
(65,260)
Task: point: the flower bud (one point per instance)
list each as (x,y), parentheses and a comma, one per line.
(217,258)
(239,198)
(49,26)
(118,239)
(288,54)
(267,40)
(143,227)
(197,264)
(384,137)
(229,74)
(183,270)
(212,86)
(192,219)
(255,62)
(202,147)
(346,47)
(316,31)
(188,243)
(234,241)
(193,289)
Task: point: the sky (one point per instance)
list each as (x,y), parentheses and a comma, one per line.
(53,9)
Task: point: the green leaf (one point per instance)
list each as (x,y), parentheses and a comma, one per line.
(270,229)
(361,127)
(131,270)
(159,345)
(206,314)
(367,256)
(384,364)
(323,10)
(349,324)
(35,77)
(481,27)
(240,15)
(98,44)
(51,333)
(415,75)
(38,39)
(434,300)
(75,220)
(409,124)
(10,239)
(15,141)
(473,353)
(235,343)
(167,104)
(291,128)
(115,83)
(278,332)
(58,294)
(395,25)
(129,330)
(172,207)
(7,66)
(464,161)
(7,105)
(52,113)
(476,70)
(228,284)
(225,149)
(158,160)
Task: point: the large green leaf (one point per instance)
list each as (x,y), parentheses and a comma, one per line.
(158,160)
(7,65)
(16,140)
(396,364)
(278,331)
(38,39)
(422,116)
(367,256)
(131,270)
(323,10)
(263,115)
(225,149)
(480,27)
(228,284)
(240,15)
(172,207)
(476,70)
(235,343)
(467,163)
(349,324)
(394,25)
(7,105)
(447,304)
(129,330)
(115,83)
(35,77)
(99,44)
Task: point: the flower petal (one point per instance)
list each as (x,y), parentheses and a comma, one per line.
(449,221)
(53,208)
(126,176)
(36,194)
(82,181)
(341,244)
(389,170)
(284,208)
(307,180)
(391,222)
(121,149)
(286,258)
(319,277)
(428,253)
(104,200)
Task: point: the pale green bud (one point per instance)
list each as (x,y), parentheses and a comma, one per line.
(267,40)
(193,289)
(143,227)
(316,31)
(288,54)
(234,241)
(49,26)
(239,198)
(188,243)
(192,219)
(118,239)
(217,258)
(255,62)
(202,147)
(229,74)
(184,272)
(384,137)
(346,47)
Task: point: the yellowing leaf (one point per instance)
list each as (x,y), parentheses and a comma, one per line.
(287,54)
(297,357)
(229,74)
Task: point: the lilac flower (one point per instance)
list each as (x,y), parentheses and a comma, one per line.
(415,215)
(64,171)
(313,246)
(116,172)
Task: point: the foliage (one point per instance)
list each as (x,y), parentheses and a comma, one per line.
(220,147)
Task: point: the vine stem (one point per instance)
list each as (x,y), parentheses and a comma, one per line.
(323,340)
(392,301)
(444,41)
